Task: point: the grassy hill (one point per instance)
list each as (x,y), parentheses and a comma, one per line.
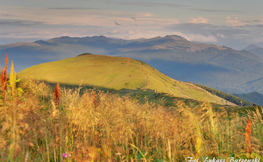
(115,73)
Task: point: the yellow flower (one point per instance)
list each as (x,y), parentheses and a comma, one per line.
(12,80)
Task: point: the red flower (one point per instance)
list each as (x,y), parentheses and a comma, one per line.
(56,94)
(247,134)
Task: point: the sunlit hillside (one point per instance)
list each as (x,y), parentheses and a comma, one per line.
(115,73)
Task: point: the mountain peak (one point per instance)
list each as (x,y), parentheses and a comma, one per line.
(254,49)
(85,54)
(175,37)
(251,47)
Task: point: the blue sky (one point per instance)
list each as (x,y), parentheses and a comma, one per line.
(233,23)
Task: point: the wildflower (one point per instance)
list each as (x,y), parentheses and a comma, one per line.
(12,80)
(198,146)
(4,77)
(57,95)
(64,155)
(248,134)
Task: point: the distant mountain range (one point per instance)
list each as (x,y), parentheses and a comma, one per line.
(219,67)
(254,49)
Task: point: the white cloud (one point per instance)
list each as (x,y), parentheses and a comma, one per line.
(235,22)
(258,40)
(80,23)
(144,33)
(33,34)
(220,35)
(33,23)
(145,14)
(140,33)
(201,38)
(199,20)
(92,17)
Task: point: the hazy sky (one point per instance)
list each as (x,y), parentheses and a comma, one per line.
(233,23)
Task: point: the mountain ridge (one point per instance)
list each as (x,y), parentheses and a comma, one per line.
(218,67)
(254,49)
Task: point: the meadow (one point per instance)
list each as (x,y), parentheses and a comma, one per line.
(41,123)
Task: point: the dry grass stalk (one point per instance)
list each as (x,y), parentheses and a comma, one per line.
(248,134)
(95,100)
(86,99)
(57,95)
(4,78)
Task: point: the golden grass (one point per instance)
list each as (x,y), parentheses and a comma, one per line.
(98,126)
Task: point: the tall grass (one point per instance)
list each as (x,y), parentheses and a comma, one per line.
(98,126)
(4,78)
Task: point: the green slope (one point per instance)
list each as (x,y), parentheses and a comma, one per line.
(115,73)
(253,97)
(241,101)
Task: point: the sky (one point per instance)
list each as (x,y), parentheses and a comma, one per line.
(232,23)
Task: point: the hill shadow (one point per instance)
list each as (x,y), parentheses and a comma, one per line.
(142,95)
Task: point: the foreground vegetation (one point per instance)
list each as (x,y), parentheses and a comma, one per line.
(43,124)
